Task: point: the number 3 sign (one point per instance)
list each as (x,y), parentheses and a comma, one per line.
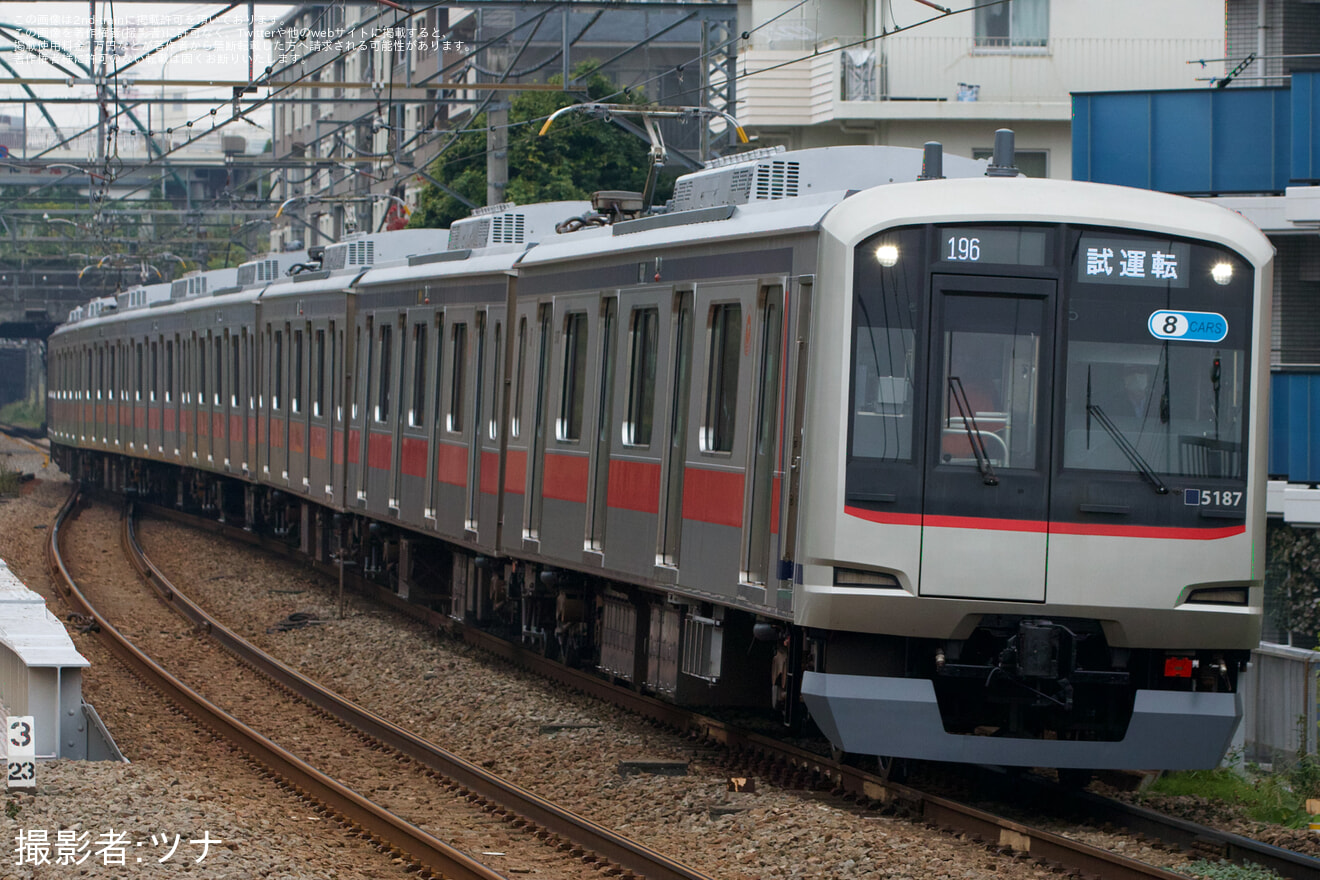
(21,746)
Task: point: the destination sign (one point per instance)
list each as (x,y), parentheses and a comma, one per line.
(1131,261)
(1011,245)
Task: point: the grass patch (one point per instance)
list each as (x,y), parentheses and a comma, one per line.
(1222,870)
(1274,798)
(23,414)
(10,481)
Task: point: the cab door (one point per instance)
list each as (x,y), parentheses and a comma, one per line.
(986,481)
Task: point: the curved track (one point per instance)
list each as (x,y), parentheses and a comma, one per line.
(571,834)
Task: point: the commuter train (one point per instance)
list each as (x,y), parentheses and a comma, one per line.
(951,463)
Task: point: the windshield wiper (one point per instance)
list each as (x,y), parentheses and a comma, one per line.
(973,432)
(1125,446)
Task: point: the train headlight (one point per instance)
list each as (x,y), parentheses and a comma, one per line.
(1222,273)
(887,255)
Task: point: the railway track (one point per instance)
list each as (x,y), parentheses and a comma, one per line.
(581,848)
(753,754)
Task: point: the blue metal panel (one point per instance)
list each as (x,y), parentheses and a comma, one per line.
(1188,141)
(1295,426)
(1178,129)
(1120,139)
(1243,132)
(1305,112)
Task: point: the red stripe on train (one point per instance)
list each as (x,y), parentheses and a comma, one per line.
(635,485)
(515,471)
(490,472)
(713,496)
(451,464)
(354,446)
(565,477)
(378,450)
(297,437)
(413,452)
(1057,528)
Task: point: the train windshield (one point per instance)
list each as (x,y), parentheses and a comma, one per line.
(1156,367)
(1061,351)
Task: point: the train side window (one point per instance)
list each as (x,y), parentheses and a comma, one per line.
(140,388)
(219,371)
(357,348)
(201,370)
(645,338)
(296,386)
(277,371)
(515,418)
(383,397)
(457,378)
(318,375)
(417,412)
(722,378)
(571,402)
(437,402)
(100,371)
(169,371)
(233,371)
(113,375)
(155,371)
(493,420)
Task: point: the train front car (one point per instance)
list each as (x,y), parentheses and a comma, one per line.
(1033,512)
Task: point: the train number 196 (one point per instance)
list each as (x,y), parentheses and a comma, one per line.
(963,250)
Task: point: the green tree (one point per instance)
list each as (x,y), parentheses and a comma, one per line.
(578,156)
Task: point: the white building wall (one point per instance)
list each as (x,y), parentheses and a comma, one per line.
(792,74)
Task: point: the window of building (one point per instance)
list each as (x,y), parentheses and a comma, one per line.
(1022,24)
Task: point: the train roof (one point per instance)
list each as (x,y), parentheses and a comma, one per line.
(1036,200)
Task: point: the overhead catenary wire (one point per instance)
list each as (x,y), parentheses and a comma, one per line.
(452,133)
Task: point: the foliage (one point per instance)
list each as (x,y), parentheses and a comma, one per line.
(1277,798)
(578,156)
(23,413)
(11,481)
(1225,870)
(1293,579)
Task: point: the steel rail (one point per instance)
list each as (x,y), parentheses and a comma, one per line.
(850,781)
(388,830)
(625,852)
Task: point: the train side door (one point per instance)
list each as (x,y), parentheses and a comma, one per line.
(761,521)
(987,466)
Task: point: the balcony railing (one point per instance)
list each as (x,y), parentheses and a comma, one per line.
(790,79)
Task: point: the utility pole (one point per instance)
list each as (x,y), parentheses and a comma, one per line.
(497,152)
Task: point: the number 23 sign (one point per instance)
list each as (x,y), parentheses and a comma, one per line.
(21,748)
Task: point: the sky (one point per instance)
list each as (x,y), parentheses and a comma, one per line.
(217,51)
